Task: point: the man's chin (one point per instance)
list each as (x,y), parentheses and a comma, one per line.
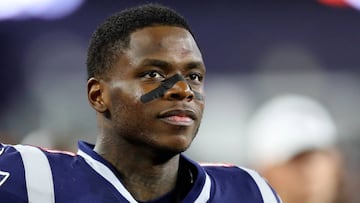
(167,152)
(176,150)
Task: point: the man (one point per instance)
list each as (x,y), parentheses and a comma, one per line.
(146,77)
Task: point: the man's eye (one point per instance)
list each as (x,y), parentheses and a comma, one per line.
(195,76)
(153,74)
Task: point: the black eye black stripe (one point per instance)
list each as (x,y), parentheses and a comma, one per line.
(165,86)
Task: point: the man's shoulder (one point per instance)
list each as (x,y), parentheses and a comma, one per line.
(233,172)
(234,181)
(226,173)
(24,169)
(15,158)
(20,151)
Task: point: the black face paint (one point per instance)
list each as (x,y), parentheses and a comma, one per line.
(165,86)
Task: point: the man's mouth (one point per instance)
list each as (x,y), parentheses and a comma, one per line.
(178,117)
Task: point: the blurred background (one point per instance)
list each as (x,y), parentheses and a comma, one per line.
(283,76)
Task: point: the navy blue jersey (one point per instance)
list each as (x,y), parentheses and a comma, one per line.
(31,174)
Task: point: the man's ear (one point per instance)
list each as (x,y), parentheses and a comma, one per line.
(95,91)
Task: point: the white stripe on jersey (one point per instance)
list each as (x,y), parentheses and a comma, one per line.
(38,175)
(2,149)
(105,172)
(5,176)
(265,190)
(205,193)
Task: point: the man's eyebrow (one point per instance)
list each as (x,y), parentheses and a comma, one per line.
(155,62)
(166,65)
(195,64)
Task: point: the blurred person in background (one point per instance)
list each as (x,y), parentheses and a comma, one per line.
(7,138)
(349,146)
(292,143)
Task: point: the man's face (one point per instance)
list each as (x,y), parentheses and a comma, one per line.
(155,90)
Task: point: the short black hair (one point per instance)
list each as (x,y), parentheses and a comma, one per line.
(112,37)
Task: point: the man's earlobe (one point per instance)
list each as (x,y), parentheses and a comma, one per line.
(96,95)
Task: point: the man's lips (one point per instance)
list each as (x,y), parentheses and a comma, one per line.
(178,117)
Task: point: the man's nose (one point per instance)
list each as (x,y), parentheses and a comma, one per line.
(179,91)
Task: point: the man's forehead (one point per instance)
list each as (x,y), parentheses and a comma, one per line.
(163,37)
(167,42)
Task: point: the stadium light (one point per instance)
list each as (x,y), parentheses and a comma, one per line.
(342,3)
(44,9)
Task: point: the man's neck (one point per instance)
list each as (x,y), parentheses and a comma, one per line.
(144,174)
(152,182)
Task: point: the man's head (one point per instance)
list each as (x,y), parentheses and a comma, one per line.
(112,38)
(146,77)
